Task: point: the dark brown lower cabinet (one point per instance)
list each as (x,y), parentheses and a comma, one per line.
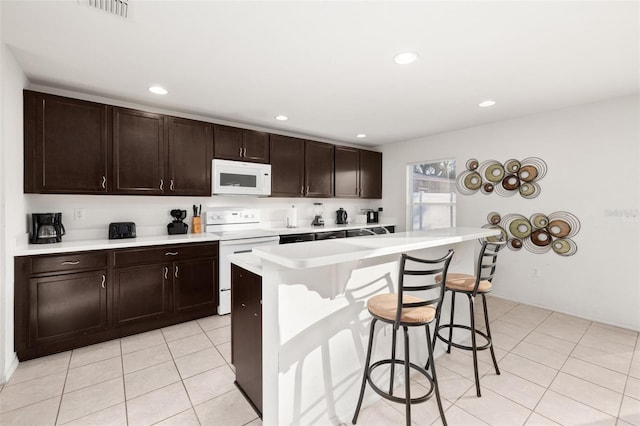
(141,293)
(65,301)
(246,333)
(67,305)
(192,287)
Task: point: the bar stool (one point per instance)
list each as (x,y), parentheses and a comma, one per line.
(403,310)
(471,285)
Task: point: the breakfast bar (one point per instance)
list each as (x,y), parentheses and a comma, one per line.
(315,321)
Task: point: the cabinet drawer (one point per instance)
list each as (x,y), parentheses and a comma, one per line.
(68,262)
(128,257)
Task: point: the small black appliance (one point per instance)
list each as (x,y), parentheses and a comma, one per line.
(341,216)
(372,216)
(119,230)
(178,226)
(46,228)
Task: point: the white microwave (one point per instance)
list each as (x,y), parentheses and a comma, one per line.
(240,178)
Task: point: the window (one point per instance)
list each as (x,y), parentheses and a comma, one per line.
(432,194)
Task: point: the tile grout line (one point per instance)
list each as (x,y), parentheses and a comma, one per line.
(626,382)
(63,386)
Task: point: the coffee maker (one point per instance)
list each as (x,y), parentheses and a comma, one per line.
(46,228)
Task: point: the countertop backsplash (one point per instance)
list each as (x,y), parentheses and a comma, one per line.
(151,213)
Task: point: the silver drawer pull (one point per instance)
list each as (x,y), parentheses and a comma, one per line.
(243,305)
(176,272)
(171,253)
(104,280)
(69,262)
(166,272)
(255,315)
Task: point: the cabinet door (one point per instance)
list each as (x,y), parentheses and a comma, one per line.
(347,170)
(370,174)
(62,306)
(227,142)
(318,166)
(246,332)
(256,146)
(138,152)
(141,293)
(287,166)
(194,284)
(190,146)
(65,145)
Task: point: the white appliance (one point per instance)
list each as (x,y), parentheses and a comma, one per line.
(239,231)
(240,178)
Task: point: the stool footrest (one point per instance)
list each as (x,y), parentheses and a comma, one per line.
(487,345)
(386,395)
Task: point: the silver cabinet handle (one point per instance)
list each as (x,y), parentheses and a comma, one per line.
(302,190)
(104,182)
(171,253)
(307,189)
(255,315)
(244,152)
(104,280)
(171,186)
(176,272)
(240,153)
(69,262)
(166,272)
(161,184)
(243,305)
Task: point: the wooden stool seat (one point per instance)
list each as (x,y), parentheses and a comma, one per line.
(385,306)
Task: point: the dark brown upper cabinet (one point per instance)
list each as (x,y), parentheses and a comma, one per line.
(347,172)
(138,152)
(232,143)
(65,145)
(370,174)
(287,166)
(318,169)
(301,168)
(190,150)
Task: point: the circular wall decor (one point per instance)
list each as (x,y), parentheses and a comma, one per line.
(512,177)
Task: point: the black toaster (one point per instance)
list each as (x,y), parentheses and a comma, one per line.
(118,230)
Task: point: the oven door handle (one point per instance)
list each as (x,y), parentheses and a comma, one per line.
(242,251)
(250,241)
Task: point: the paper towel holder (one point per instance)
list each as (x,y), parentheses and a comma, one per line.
(292,218)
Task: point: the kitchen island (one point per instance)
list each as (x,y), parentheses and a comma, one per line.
(315,321)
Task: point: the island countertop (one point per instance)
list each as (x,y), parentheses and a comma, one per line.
(328,252)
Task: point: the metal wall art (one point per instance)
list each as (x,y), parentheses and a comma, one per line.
(539,233)
(512,177)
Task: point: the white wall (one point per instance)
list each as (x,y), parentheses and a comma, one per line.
(593,158)
(12,200)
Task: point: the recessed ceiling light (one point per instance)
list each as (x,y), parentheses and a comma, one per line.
(487,103)
(281,117)
(158,90)
(405,58)
(361,135)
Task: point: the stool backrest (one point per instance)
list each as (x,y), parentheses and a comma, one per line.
(412,266)
(487,259)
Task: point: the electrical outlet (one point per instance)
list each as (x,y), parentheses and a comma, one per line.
(79,214)
(535,272)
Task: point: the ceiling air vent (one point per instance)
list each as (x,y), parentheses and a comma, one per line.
(115,7)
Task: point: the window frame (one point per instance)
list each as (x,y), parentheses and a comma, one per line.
(411,204)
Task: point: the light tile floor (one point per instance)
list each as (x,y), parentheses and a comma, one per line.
(556,369)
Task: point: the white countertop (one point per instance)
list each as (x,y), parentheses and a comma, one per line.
(327,252)
(327,228)
(248,261)
(105,244)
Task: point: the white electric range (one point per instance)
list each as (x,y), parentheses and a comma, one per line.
(240,231)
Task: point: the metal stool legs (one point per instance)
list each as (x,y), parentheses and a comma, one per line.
(474,348)
(407,400)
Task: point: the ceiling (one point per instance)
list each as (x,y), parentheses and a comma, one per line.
(329,65)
